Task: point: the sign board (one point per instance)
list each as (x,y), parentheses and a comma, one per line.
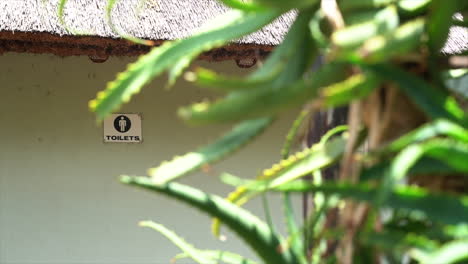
(123,128)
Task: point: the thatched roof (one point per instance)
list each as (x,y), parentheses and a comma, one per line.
(33,26)
(155,20)
(458,38)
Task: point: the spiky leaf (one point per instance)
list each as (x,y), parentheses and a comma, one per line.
(252,230)
(238,136)
(190,250)
(109,7)
(234,25)
(379,23)
(353,88)
(440,207)
(294,167)
(433,101)
(224,256)
(451,252)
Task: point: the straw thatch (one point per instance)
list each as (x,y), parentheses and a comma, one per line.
(458,38)
(33,26)
(154,19)
(457,41)
(151,19)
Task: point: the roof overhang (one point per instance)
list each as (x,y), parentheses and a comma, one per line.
(98,48)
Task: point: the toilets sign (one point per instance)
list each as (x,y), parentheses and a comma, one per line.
(123,128)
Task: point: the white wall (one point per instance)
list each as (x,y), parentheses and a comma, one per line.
(60,201)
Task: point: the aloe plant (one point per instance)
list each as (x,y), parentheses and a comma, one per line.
(385,165)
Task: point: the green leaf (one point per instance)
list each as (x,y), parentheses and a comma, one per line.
(435,128)
(451,252)
(456,81)
(294,167)
(287,89)
(439,207)
(61,10)
(282,67)
(176,70)
(294,235)
(432,101)
(398,169)
(262,101)
(287,4)
(384,47)
(207,78)
(249,104)
(397,241)
(303,163)
(346,6)
(292,133)
(110,22)
(191,251)
(411,8)
(286,55)
(235,24)
(451,152)
(423,166)
(243,5)
(200,256)
(224,256)
(333,132)
(416,223)
(247,226)
(238,136)
(315,26)
(61,17)
(381,22)
(353,88)
(455,73)
(457,231)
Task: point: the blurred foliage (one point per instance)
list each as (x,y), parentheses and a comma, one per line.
(407,133)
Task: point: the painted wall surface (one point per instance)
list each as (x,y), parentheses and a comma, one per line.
(60,201)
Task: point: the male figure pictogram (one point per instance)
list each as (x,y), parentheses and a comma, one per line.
(122,124)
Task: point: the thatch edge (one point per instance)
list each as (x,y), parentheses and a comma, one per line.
(101,47)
